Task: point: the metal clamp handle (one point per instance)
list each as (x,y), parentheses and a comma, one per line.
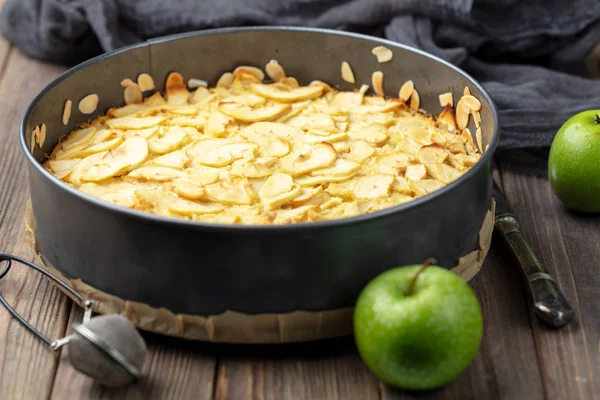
(87,304)
(549,303)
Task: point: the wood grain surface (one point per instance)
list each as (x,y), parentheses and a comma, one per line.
(519,358)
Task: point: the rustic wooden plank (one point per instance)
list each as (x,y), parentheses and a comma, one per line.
(567,244)
(174,369)
(27,367)
(328,369)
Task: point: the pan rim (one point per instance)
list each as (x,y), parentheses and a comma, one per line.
(241,228)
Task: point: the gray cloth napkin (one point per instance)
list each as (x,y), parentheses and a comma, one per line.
(537,58)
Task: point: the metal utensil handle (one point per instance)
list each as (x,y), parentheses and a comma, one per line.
(550,305)
(87,304)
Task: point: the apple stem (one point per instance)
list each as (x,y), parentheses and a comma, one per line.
(413,281)
(597,119)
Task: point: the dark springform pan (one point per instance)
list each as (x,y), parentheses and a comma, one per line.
(204,269)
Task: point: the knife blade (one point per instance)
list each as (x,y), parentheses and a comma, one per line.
(549,303)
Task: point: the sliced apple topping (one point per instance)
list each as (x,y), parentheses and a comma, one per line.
(62,168)
(130,154)
(248,113)
(426,186)
(432,154)
(374,134)
(253,152)
(84,150)
(134,122)
(192,208)
(157,174)
(280,93)
(79,137)
(236,193)
(278,189)
(373,186)
(308,158)
(341,167)
(168,139)
(176,159)
(443,172)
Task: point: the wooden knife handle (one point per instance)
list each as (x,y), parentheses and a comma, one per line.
(550,305)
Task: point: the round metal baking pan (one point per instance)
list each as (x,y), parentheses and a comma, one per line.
(205,269)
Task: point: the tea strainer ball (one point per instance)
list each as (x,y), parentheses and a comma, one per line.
(107,348)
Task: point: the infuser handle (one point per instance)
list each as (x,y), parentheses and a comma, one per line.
(53,344)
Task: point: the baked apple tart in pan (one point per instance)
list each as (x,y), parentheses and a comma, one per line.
(260,149)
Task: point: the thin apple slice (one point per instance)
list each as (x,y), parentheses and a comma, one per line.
(168,139)
(87,150)
(426,186)
(373,186)
(360,151)
(278,93)
(247,113)
(130,154)
(230,193)
(443,172)
(134,122)
(176,159)
(62,168)
(308,158)
(278,189)
(192,208)
(341,167)
(79,137)
(156,174)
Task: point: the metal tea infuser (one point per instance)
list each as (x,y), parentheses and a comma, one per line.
(107,348)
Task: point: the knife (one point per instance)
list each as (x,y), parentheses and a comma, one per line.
(549,304)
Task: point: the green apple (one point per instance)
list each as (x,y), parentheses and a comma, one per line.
(417,327)
(573,169)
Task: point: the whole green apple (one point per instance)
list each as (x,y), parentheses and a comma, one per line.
(417,327)
(573,169)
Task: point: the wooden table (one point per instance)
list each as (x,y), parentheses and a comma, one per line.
(519,358)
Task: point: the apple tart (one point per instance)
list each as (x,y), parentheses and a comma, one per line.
(257,151)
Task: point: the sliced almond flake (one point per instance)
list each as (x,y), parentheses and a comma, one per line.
(145,82)
(466,92)
(248,69)
(132,94)
(42,135)
(127,82)
(88,104)
(347,73)
(290,81)
(415,100)
(479,139)
(175,89)
(471,103)
(382,53)
(446,99)
(66,116)
(462,115)
(363,89)
(377,81)
(477,117)
(274,71)
(225,80)
(194,83)
(406,90)
(34,137)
